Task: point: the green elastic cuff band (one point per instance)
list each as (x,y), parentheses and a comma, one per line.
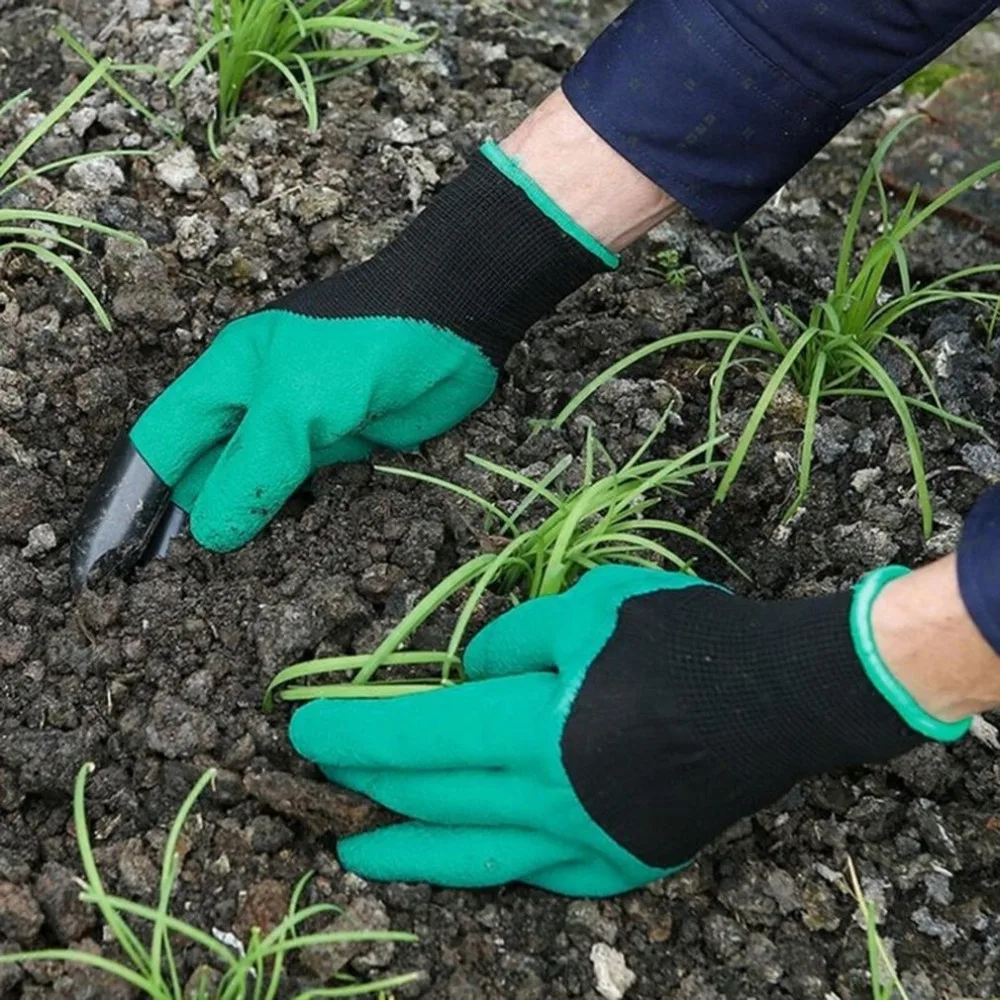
(865,593)
(510,168)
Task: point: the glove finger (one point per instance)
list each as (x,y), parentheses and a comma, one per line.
(265,461)
(461,857)
(185,494)
(455,798)
(198,410)
(476,725)
(520,641)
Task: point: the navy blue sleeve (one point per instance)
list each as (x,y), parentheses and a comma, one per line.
(719,102)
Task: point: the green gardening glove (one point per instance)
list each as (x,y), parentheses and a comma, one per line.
(606,734)
(386,354)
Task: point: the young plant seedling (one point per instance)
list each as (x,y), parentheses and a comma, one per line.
(19,226)
(150,966)
(881,968)
(249,37)
(833,351)
(604,519)
(666,264)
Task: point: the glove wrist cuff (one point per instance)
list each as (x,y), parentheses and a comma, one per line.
(885,682)
(488,257)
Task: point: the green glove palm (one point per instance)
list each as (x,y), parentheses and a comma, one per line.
(607,734)
(386,354)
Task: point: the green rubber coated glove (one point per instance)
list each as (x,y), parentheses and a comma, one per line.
(386,354)
(606,734)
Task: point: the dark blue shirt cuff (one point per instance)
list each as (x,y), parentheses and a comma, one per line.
(719,102)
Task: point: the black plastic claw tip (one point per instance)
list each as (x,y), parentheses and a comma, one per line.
(127,519)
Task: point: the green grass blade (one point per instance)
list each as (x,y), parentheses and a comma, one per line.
(454,582)
(112,84)
(971,180)
(760,409)
(18,215)
(9,104)
(59,111)
(674,340)
(67,161)
(341,664)
(912,402)
(123,934)
(200,55)
(808,436)
(116,969)
(535,486)
(168,875)
(715,383)
(297,88)
(54,260)
(41,234)
(466,494)
(898,402)
(370,689)
(544,483)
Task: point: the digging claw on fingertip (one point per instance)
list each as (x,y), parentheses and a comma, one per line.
(126,520)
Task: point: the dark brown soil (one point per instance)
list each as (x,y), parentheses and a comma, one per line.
(158,678)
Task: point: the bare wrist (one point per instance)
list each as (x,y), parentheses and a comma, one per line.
(929,642)
(588,179)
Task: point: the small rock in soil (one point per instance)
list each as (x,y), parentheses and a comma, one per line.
(364,913)
(932,926)
(984,460)
(613,977)
(268,834)
(196,236)
(59,895)
(264,906)
(41,539)
(23,497)
(584,915)
(178,730)
(322,807)
(180,172)
(100,175)
(21,917)
(138,873)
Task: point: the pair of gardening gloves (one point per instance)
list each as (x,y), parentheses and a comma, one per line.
(604,735)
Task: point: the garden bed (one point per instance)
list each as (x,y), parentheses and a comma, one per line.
(156,679)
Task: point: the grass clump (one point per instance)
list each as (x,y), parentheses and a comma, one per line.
(149,963)
(304,42)
(607,518)
(37,230)
(833,350)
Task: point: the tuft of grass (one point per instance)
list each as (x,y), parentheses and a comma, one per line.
(19,226)
(833,351)
(607,518)
(303,42)
(150,965)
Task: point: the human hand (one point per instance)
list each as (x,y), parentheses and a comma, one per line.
(606,734)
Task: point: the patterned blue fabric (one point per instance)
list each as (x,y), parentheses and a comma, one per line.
(721,101)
